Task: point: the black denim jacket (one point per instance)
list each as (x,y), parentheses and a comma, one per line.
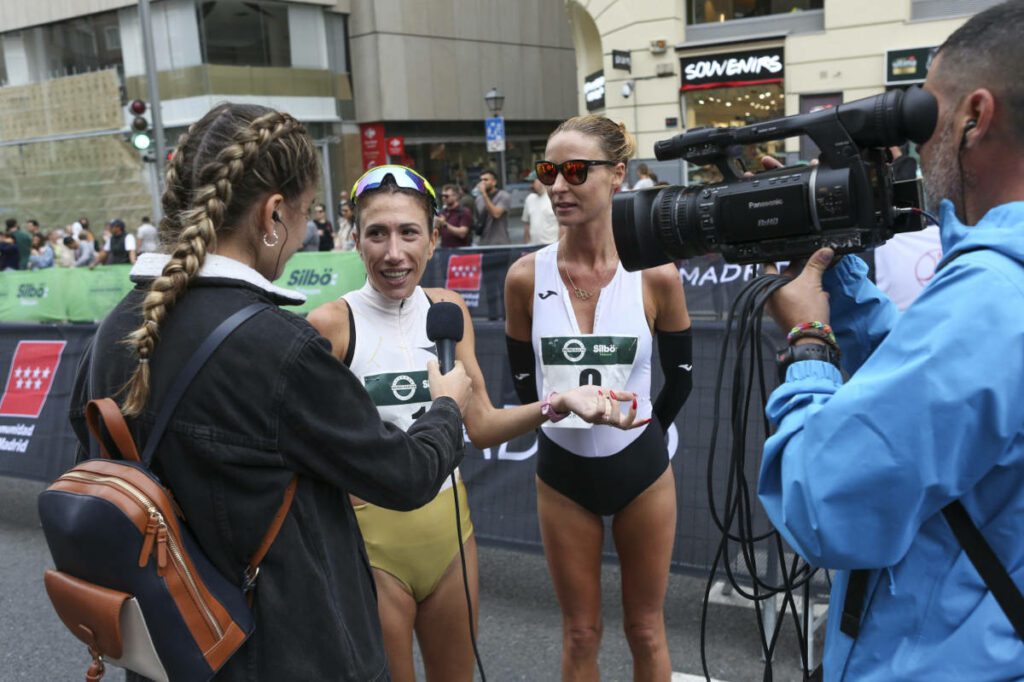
(270,403)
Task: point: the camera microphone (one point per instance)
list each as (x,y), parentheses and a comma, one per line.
(445,328)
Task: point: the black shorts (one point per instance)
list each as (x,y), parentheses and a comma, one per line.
(604,485)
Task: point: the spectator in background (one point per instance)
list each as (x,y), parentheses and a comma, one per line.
(644,179)
(42,253)
(84,249)
(119,248)
(343,201)
(146,237)
(69,253)
(8,252)
(456,221)
(311,242)
(344,240)
(23,240)
(324,229)
(540,226)
(56,241)
(466,199)
(32,226)
(492,210)
(79,225)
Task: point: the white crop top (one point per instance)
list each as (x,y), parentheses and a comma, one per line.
(617,354)
(391,353)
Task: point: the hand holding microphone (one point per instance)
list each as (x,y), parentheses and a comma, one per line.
(447,376)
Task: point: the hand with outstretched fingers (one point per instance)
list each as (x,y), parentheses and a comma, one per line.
(597,405)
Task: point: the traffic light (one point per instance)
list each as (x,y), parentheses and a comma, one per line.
(142,136)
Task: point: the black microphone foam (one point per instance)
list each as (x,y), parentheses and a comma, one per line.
(445,327)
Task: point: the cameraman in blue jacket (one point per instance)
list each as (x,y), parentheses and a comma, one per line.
(857,474)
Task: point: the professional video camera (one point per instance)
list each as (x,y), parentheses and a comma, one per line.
(848,201)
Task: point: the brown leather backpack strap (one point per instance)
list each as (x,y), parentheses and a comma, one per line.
(107,411)
(253,570)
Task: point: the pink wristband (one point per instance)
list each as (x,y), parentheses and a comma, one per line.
(548,410)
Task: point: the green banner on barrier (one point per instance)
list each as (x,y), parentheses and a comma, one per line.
(90,297)
(322,277)
(83,295)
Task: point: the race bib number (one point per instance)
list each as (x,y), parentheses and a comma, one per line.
(400,397)
(587,359)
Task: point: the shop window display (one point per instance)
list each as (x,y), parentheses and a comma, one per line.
(732,107)
(706,11)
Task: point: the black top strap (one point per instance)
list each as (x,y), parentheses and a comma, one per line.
(351,352)
(195,363)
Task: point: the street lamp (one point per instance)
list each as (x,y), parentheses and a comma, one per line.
(495,101)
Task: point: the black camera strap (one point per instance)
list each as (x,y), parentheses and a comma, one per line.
(983,558)
(988,565)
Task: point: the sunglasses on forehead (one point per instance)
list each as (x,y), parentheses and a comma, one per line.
(574,171)
(401,176)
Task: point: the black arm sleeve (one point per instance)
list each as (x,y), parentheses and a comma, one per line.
(675,350)
(524,369)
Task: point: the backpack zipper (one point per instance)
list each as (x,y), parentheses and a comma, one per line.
(161,536)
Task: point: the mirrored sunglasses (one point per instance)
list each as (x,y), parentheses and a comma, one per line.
(403,177)
(574,171)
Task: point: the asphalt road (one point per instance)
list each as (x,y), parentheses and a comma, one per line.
(519,624)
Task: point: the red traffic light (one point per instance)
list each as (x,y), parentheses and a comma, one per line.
(137,107)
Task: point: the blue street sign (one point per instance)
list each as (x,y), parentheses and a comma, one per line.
(495,134)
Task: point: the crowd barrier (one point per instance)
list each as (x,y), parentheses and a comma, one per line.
(36,440)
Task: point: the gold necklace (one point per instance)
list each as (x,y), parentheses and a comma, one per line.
(581,294)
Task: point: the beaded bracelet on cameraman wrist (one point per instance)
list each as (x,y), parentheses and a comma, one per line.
(813,330)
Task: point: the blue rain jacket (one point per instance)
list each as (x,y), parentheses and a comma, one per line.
(856,475)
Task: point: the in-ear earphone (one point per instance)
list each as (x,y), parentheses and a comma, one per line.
(275,217)
(968,127)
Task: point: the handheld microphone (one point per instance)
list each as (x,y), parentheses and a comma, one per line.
(445,328)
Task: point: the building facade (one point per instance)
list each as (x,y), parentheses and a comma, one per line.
(668,65)
(415,71)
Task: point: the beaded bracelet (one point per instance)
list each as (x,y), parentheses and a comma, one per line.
(814,330)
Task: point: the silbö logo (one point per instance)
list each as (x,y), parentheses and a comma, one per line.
(309,277)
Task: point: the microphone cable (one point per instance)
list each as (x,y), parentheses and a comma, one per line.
(736,520)
(465,579)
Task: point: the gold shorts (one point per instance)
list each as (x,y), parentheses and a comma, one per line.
(415,547)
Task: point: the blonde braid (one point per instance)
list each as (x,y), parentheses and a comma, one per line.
(172,199)
(210,205)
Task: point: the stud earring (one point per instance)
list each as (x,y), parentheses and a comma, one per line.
(267,242)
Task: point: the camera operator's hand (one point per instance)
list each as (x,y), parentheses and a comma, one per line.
(455,384)
(803,299)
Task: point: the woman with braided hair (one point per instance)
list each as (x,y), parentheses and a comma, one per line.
(271,404)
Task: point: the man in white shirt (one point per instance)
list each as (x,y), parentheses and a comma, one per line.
(540,226)
(146,236)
